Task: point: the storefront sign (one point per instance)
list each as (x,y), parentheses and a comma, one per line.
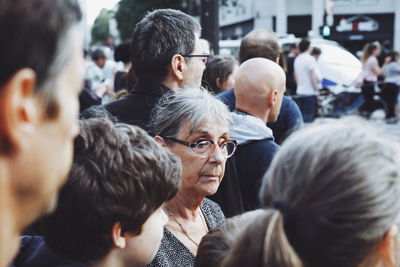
(357,23)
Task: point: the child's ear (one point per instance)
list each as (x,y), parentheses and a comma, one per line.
(118,236)
(160,140)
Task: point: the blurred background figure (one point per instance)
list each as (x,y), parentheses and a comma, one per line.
(391,72)
(220,73)
(316,52)
(94,74)
(122,55)
(290,79)
(308,79)
(371,71)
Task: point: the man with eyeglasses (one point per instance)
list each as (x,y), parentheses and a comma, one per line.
(166,54)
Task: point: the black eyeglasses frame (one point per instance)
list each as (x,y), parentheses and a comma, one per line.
(193,145)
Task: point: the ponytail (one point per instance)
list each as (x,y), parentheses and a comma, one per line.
(263,243)
(277,249)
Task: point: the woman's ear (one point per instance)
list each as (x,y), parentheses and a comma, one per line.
(387,247)
(160,140)
(118,236)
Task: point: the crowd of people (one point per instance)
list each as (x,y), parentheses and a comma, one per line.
(171,174)
(381,79)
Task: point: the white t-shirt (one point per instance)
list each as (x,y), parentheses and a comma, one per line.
(304,65)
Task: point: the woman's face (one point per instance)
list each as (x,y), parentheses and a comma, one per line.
(201,175)
(377,51)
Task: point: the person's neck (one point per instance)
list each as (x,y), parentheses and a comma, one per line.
(10,226)
(263,115)
(113,259)
(172,83)
(184,205)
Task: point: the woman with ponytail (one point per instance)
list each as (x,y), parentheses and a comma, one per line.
(332,198)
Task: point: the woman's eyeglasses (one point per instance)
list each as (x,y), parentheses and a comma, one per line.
(206,147)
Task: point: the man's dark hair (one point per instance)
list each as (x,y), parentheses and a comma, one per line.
(119,174)
(316,51)
(122,52)
(304,45)
(33,35)
(97,54)
(157,38)
(259,43)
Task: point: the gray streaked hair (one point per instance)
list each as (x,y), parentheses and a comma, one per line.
(192,104)
(342,180)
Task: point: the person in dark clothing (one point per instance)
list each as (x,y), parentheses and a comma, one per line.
(261,43)
(259,89)
(88,98)
(122,54)
(166,55)
(109,213)
(290,80)
(258,43)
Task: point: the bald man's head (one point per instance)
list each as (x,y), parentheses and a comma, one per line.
(260,84)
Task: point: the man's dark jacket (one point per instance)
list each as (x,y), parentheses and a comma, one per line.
(34,253)
(239,189)
(136,107)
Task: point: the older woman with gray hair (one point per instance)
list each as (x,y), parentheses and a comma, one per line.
(195,126)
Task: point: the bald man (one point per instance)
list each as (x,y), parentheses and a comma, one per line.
(259,89)
(263,43)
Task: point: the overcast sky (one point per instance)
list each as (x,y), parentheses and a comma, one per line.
(94,7)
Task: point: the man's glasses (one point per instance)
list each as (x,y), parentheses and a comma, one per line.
(206,147)
(204,57)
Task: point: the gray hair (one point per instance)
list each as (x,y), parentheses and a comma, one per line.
(194,105)
(342,182)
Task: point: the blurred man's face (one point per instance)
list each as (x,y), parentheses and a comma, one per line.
(58,135)
(48,158)
(101,62)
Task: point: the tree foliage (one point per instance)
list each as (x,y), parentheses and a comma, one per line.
(131,12)
(100,30)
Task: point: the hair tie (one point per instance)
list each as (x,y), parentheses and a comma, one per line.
(285,209)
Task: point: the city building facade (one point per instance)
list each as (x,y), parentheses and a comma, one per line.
(352,23)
